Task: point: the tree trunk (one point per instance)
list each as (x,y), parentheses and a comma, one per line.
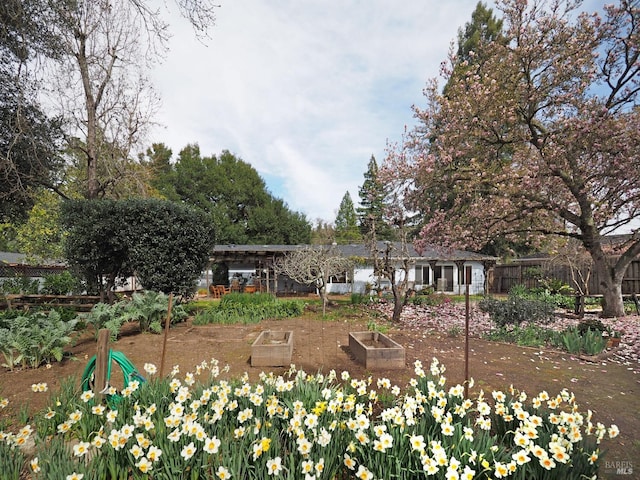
(610,278)
(90,105)
(612,303)
(323,296)
(398,304)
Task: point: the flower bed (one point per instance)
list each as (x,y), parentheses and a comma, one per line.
(449,316)
(308,426)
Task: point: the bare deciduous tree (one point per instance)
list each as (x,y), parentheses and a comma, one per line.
(392,260)
(100,85)
(573,256)
(314,265)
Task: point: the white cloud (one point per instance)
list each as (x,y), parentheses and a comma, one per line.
(305,91)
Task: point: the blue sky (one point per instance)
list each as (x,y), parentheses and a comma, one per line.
(304,90)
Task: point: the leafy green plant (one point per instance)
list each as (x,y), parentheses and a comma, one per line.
(248,308)
(148,308)
(555,286)
(454,331)
(35,338)
(529,335)
(589,342)
(373,326)
(20,284)
(431,299)
(518,308)
(62,284)
(11,458)
(104,315)
(360,299)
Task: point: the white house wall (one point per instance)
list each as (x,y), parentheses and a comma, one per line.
(363,276)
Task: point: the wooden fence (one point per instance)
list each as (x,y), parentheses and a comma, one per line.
(80,303)
(503,277)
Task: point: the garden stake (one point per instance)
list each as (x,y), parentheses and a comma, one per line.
(166,334)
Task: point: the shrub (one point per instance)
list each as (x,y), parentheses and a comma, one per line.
(166,244)
(555,286)
(430,299)
(594,324)
(517,309)
(560,297)
(62,284)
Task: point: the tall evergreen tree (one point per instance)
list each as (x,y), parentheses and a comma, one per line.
(347,230)
(484,27)
(231,191)
(29,138)
(372,201)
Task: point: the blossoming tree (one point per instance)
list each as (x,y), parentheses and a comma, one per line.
(536,134)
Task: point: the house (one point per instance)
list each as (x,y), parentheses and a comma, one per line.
(447,271)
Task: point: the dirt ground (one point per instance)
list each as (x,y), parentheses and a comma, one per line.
(611,390)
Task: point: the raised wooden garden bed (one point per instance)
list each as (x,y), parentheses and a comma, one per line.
(376,350)
(272,349)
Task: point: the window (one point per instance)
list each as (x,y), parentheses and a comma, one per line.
(342,278)
(418,274)
(423,275)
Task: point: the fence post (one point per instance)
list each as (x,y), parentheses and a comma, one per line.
(634,297)
(102,365)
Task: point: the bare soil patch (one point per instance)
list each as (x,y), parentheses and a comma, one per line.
(610,389)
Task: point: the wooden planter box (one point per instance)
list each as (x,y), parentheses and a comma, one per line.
(376,350)
(272,349)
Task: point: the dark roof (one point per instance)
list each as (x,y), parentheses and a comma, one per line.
(239,253)
(11,258)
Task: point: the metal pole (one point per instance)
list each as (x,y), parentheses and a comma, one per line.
(466,342)
(166,334)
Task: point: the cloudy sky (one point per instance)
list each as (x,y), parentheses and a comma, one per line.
(305,90)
